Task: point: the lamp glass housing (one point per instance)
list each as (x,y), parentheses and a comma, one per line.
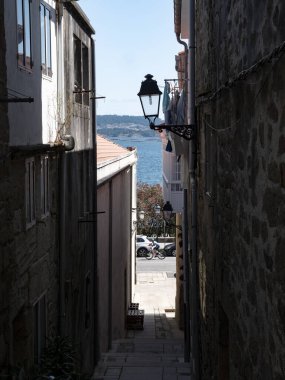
(157,209)
(150,105)
(141,215)
(167,211)
(149,95)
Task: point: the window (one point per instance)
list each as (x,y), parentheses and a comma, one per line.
(176,187)
(85,73)
(77,68)
(81,71)
(24,33)
(44,185)
(39,328)
(177,174)
(45,16)
(87,300)
(30,192)
(210,155)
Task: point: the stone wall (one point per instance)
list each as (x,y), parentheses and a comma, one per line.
(4,212)
(78,247)
(78,254)
(33,262)
(241,189)
(28,256)
(29,266)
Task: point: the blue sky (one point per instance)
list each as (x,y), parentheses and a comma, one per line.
(133,38)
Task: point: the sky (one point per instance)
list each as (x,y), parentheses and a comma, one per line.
(132,38)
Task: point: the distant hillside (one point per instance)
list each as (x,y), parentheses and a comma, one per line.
(117,125)
(104,120)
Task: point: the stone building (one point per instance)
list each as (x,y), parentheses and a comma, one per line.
(4,177)
(239,169)
(48,182)
(240,89)
(29,296)
(77,185)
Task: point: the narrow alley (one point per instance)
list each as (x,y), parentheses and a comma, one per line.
(157,351)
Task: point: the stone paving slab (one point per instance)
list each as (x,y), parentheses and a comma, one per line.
(157,351)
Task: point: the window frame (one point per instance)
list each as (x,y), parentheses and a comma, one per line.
(40,327)
(85,73)
(177,172)
(45,205)
(210,137)
(87,318)
(30,188)
(24,61)
(81,66)
(46,17)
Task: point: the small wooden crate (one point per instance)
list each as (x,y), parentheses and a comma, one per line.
(135,319)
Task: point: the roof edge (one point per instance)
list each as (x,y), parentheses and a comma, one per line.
(82,15)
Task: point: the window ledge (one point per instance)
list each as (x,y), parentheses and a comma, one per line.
(25,69)
(47,77)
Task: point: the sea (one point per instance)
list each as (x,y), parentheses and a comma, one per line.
(149,167)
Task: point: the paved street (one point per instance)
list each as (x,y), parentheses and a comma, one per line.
(157,351)
(167,265)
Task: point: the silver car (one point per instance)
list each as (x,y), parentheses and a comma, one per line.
(143,245)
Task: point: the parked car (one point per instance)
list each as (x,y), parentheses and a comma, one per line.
(143,245)
(170,249)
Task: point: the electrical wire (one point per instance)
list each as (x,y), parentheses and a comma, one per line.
(276,53)
(220,129)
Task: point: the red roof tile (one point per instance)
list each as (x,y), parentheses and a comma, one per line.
(109,151)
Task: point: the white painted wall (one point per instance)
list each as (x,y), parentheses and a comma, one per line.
(49,89)
(24,118)
(31,123)
(168,171)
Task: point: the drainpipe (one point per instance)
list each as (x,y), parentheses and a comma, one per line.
(61,181)
(186,279)
(186,261)
(68,144)
(94,201)
(193,189)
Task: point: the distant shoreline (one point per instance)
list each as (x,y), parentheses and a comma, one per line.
(114,126)
(134,136)
(127,133)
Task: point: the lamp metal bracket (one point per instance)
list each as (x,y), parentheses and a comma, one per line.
(187,132)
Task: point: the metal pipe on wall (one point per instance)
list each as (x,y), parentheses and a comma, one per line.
(61,181)
(94,201)
(186,274)
(186,259)
(193,188)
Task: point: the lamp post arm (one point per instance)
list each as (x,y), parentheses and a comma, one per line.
(188,132)
(174,225)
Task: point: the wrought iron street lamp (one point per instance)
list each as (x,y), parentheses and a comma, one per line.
(157,209)
(149,95)
(141,215)
(167,211)
(150,222)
